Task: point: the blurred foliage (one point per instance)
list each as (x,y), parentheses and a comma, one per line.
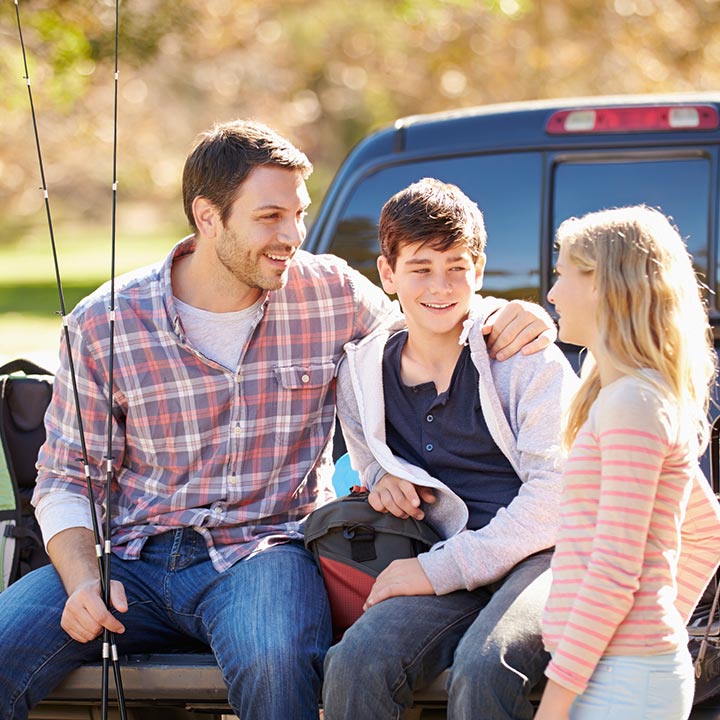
(30,324)
(324,72)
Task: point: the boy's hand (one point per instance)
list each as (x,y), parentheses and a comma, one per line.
(399,497)
(518,326)
(400,577)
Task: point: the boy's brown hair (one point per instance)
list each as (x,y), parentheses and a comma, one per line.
(431,212)
(223,157)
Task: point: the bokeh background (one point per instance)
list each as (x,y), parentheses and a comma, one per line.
(322,72)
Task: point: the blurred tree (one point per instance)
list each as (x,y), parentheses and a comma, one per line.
(324,72)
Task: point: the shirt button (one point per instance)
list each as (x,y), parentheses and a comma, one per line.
(237,430)
(429,418)
(217,511)
(233,479)
(305,378)
(429,447)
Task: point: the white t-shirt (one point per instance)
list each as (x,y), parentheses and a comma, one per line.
(218,336)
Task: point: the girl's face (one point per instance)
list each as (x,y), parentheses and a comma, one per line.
(573,295)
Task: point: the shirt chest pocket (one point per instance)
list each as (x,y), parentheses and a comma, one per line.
(305,377)
(303,391)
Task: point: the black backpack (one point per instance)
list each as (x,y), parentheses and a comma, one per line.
(352,544)
(25,391)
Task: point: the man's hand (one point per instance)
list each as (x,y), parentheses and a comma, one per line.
(85,614)
(518,325)
(400,577)
(399,497)
(72,552)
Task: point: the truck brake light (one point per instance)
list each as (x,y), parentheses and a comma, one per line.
(633,119)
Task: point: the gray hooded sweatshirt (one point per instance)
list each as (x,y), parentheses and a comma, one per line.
(523,399)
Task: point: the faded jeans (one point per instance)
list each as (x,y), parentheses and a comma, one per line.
(266,619)
(491,637)
(650,687)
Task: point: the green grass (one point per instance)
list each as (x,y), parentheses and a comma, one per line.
(29,302)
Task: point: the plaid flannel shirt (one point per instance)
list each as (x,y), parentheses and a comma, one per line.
(241,456)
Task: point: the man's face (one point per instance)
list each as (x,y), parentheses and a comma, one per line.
(434,288)
(265,227)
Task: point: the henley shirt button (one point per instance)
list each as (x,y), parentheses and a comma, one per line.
(305,378)
(429,418)
(429,447)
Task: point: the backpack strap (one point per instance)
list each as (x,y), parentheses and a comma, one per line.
(24,366)
(8,484)
(706,635)
(9,504)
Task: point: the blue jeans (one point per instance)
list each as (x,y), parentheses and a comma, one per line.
(266,619)
(491,637)
(653,687)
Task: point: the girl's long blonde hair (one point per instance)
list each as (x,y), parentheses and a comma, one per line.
(650,310)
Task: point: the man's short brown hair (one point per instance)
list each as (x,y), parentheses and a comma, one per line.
(223,157)
(431,212)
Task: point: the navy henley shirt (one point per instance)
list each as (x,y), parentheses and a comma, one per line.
(447,435)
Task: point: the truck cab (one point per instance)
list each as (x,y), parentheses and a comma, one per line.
(528,166)
(531,165)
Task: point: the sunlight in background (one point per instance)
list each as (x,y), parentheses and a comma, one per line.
(29,324)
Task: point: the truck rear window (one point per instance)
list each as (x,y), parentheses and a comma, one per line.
(511,187)
(505,187)
(679,187)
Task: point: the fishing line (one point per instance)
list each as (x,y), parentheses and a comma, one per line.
(109,646)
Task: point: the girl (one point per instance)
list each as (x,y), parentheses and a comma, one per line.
(640,529)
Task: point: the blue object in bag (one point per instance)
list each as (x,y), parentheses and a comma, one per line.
(344,476)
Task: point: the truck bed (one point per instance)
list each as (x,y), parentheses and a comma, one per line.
(169,686)
(182,686)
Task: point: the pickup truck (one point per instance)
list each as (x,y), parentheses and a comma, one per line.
(528,166)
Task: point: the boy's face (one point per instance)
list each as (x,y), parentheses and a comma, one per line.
(434,288)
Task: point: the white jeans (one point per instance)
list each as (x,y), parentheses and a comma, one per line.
(652,687)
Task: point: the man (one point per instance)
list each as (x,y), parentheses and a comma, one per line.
(223,407)
(473,444)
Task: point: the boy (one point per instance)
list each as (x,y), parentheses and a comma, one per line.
(472,444)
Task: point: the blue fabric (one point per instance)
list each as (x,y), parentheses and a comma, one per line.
(491,637)
(652,687)
(344,476)
(266,619)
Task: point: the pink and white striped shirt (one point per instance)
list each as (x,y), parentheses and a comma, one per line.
(639,537)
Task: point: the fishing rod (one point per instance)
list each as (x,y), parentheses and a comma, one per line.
(109,648)
(109,645)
